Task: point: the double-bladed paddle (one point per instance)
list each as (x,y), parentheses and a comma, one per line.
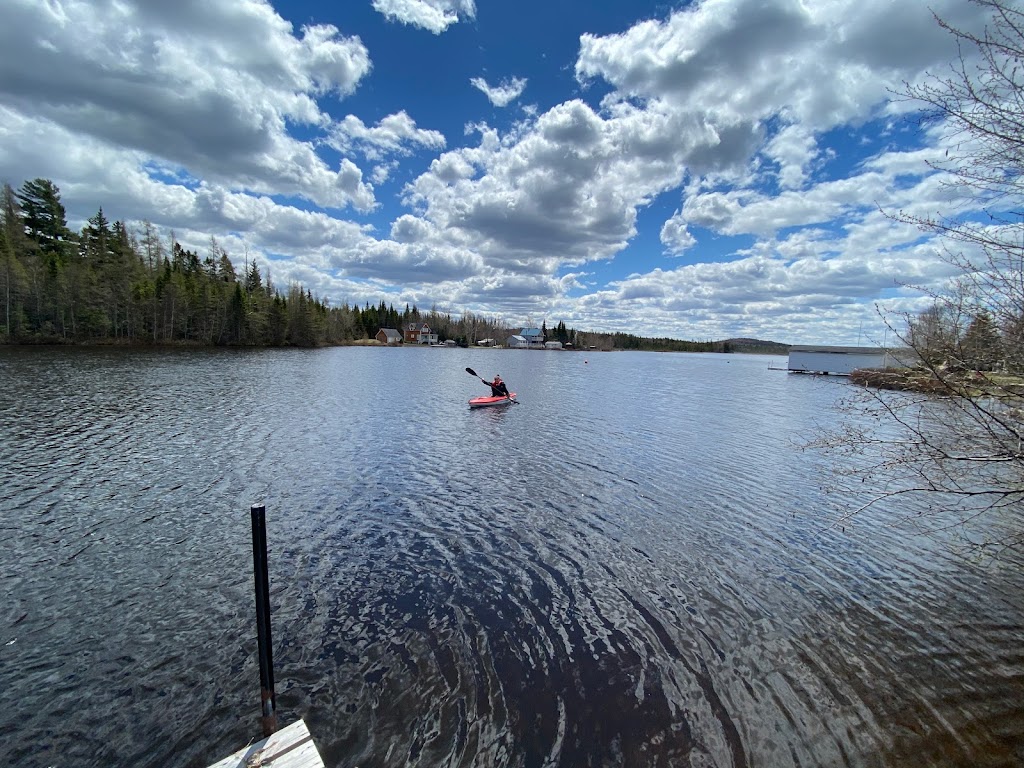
(471,372)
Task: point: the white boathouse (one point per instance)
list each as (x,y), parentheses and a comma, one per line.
(842,361)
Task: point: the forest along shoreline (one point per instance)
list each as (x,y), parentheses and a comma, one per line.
(118,285)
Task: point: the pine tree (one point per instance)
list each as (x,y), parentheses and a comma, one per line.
(44,217)
(253,281)
(94,242)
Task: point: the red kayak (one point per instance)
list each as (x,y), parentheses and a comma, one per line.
(480,402)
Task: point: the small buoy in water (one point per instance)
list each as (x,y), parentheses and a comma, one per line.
(585,362)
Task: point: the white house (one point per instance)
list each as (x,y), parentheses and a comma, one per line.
(534,337)
(842,360)
(517,342)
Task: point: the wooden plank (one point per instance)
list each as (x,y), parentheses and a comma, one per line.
(290,747)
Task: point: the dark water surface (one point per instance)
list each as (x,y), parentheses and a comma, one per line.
(631,567)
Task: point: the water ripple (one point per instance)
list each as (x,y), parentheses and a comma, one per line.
(620,579)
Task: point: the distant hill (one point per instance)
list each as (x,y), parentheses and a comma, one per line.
(627,341)
(756,346)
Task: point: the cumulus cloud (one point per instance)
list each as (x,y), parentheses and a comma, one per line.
(433,15)
(675,236)
(748,211)
(395,134)
(563,191)
(409,229)
(694,95)
(742,59)
(712,300)
(736,64)
(209,87)
(791,284)
(793,148)
(504,93)
(401,263)
(691,94)
(209,118)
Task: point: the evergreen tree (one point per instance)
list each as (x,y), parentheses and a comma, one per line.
(94,242)
(225,269)
(253,281)
(981,349)
(236,316)
(277,322)
(301,324)
(1013,347)
(13,248)
(44,217)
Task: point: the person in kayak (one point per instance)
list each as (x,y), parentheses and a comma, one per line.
(498,388)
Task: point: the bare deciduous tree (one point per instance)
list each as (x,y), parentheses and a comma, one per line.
(953,437)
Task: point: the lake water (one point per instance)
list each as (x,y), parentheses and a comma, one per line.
(633,566)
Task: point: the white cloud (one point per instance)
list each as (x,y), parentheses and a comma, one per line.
(676,237)
(409,229)
(209,87)
(382,172)
(815,283)
(504,93)
(433,15)
(741,62)
(120,181)
(406,263)
(212,118)
(748,211)
(793,148)
(395,134)
(563,190)
(803,300)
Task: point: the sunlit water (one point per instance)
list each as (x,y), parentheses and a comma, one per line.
(633,566)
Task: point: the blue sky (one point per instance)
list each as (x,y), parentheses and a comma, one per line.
(699,170)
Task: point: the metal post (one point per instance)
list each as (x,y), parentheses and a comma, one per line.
(268,703)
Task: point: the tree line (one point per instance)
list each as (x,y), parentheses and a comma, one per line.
(957,335)
(110,283)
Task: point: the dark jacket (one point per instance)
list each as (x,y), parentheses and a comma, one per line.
(499,391)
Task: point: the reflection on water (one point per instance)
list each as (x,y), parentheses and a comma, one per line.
(631,567)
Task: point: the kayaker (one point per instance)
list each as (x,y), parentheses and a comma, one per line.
(498,388)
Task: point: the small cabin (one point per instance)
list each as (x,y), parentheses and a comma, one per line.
(389,336)
(840,361)
(552,345)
